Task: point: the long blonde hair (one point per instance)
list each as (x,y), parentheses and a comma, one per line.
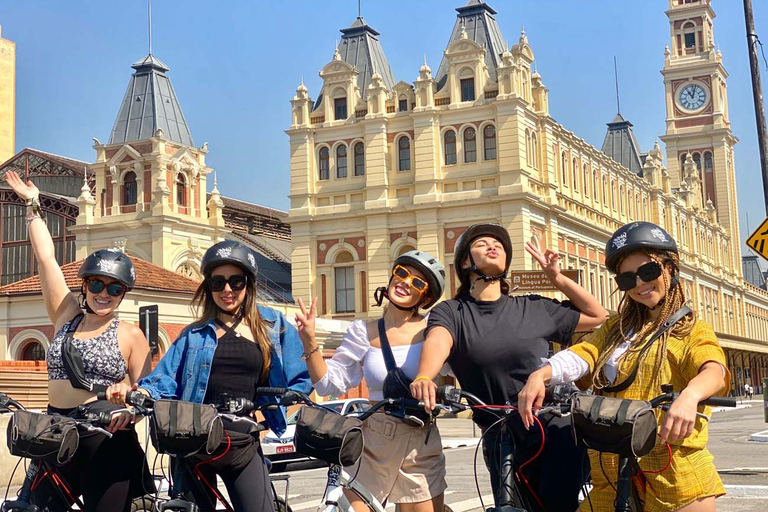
(632,320)
(203,301)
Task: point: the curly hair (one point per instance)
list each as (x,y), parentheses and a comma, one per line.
(633,320)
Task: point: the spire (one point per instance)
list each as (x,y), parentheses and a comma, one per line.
(360,47)
(477,20)
(621,145)
(616,77)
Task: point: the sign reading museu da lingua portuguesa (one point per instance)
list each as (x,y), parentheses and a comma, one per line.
(536,280)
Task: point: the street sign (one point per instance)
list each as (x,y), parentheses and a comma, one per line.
(148,325)
(759,239)
(536,280)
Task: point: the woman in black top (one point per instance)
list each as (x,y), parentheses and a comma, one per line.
(493,342)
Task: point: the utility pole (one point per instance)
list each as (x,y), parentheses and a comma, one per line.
(757,93)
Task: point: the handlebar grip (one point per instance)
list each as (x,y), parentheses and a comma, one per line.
(101,395)
(138,399)
(266,391)
(719,401)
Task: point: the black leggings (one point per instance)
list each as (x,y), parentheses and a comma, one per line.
(242,470)
(556,476)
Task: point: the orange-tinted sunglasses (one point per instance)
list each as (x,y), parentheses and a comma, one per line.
(404,274)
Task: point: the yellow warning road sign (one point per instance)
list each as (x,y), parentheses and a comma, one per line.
(759,239)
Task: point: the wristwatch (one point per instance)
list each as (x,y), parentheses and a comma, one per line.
(34,203)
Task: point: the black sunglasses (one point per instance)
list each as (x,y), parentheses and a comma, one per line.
(648,272)
(113,289)
(236,283)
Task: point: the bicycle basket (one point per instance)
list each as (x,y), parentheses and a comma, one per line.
(185,428)
(329,436)
(614,425)
(42,436)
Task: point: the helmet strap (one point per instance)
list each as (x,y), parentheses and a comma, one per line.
(481,275)
(381,293)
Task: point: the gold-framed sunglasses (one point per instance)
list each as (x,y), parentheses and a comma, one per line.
(417,283)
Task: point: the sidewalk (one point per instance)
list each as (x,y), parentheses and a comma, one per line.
(458,432)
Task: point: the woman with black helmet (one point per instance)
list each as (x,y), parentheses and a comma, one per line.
(234,347)
(614,361)
(493,341)
(401,463)
(111,351)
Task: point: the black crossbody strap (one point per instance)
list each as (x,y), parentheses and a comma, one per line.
(386,350)
(228,329)
(677,316)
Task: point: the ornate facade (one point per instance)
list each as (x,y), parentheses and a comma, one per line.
(378,169)
(7,98)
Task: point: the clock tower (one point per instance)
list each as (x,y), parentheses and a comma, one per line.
(697,109)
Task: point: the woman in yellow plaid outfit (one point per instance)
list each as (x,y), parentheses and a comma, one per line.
(645,259)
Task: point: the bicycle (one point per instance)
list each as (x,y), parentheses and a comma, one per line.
(627,496)
(180,493)
(43,467)
(510,496)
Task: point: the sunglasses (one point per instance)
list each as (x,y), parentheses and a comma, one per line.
(113,289)
(217,283)
(404,274)
(647,273)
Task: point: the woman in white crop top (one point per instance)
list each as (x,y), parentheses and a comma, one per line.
(401,463)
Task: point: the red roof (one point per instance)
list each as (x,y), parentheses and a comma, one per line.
(148,277)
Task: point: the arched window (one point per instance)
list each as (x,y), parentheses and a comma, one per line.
(534,151)
(595,184)
(621,199)
(614,201)
(489,142)
(629,202)
(690,35)
(344,279)
(359,159)
(181,190)
(605,190)
(341,161)
(129,188)
(470,146)
(697,161)
(404,154)
(708,164)
(449,147)
(586,180)
(33,351)
(324,164)
(404,249)
(575,174)
(564,169)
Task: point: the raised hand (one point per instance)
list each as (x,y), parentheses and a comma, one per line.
(549,259)
(24,191)
(305,322)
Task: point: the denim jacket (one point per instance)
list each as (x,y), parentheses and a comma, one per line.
(184,370)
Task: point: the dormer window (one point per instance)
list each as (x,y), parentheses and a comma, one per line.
(340,108)
(468,89)
(181,190)
(129,188)
(402,104)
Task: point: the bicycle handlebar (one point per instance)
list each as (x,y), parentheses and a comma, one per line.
(715,401)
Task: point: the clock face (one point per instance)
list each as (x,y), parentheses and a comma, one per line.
(692,97)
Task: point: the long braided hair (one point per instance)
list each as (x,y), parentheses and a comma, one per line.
(633,321)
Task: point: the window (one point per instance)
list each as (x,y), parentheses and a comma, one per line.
(614,202)
(324,164)
(129,188)
(605,188)
(621,198)
(697,161)
(33,351)
(359,159)
(181,190)
(404,154)
(564,169)
(708,162)
(489,142)
(575,174)
(595,184)
(341,161)
(470,146)
(534,151)
(467,89)
(345,289)
(690,40)
(586,180)
(340,108)
(402,105)
(449,147)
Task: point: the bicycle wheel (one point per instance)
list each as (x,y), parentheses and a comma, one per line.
(281,505)
(143,504)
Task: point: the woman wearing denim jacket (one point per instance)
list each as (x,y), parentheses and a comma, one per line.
(234,347)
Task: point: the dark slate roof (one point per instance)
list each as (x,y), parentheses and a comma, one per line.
(150,103)
(479,20)
(621,145)
(361,48)
(752,272)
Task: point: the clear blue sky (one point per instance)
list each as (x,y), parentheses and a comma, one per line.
(236,64)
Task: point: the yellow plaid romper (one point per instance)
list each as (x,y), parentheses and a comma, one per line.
(691,474)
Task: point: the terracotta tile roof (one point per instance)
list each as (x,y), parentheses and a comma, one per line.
(148,277)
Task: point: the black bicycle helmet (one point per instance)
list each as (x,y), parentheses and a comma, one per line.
(433,271)
(229,252)
(634,236)
(475,231)
(109,263)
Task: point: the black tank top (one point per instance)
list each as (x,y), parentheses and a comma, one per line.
(236,367)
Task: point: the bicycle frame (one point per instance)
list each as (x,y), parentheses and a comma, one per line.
(334,498)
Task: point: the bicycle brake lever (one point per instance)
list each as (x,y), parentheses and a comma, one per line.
(414,419)
(91,428)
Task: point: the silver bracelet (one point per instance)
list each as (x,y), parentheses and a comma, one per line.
(306,355)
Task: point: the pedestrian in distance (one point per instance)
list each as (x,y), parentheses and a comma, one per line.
(111,352)
(401,463)
(646,262)
(494,341)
